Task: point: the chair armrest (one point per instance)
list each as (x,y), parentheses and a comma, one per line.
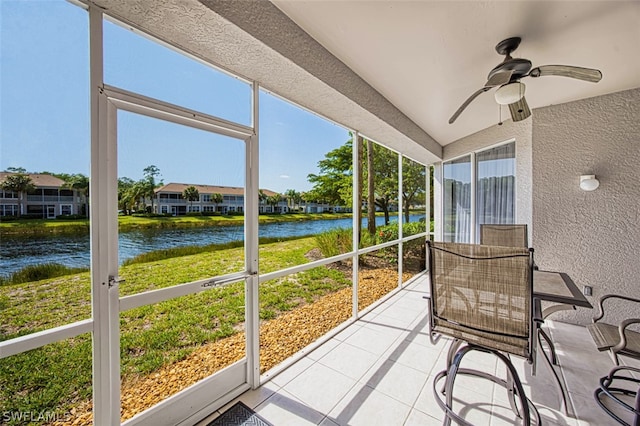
(611,296)
(623,337)
(537,311)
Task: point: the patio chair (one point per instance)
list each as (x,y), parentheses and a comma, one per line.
(618,340)
(481,296)
(507,235)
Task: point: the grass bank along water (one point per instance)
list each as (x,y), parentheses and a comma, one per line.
(128,223)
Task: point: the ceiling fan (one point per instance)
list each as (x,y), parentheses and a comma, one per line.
(506,76)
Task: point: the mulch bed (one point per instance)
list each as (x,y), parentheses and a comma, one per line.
(280,338)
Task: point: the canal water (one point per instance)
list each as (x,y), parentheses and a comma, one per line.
(17,252)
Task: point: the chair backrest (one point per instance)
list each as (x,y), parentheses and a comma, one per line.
(506,235)
(483,295)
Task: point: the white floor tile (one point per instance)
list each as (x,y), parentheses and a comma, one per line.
(349,360)
(371,340)
(323,350)
(397,381)
(366,406)
(320,387)
(418,418)
(421,358)
(283,409)
(292,372)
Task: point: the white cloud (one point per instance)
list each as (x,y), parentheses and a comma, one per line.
(284,176)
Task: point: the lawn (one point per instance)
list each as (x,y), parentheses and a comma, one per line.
(58,376)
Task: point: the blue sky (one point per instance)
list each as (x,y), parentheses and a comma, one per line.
(44,106)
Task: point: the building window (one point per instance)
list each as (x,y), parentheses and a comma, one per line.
(65,209)
(9,210)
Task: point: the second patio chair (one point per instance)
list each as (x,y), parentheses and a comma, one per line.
(481,296)
(507,235)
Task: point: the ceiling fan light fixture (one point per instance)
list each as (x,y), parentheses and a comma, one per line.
(510,93)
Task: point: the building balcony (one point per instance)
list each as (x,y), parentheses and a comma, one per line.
(380,370)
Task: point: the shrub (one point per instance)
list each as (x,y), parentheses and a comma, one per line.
(39,272)
(335,241)
(70,217)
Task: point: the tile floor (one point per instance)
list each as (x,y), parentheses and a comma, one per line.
(380,370)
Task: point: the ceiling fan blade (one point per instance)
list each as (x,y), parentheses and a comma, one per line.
(498,78)
(586,74)
(466,103)
(519,110)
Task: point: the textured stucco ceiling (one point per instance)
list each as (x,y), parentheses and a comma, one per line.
(427,57)
(397,70)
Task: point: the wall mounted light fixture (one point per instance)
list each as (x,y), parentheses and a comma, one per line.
(589,182)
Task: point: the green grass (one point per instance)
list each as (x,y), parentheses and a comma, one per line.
(57,376)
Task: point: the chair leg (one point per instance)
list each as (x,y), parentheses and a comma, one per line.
(606,389)
(552,348)
(512,384)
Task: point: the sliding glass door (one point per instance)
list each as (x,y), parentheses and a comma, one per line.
(479,188)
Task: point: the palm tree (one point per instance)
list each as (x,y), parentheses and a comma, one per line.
(21,184)
(80,183)
(216,198)
(150,173)
(191,194)
(293,199)
(273,201)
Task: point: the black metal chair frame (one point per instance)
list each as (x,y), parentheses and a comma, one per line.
(607,389)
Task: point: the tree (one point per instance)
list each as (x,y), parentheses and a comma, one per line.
(293,199)
(334,183)
(385,176)
(21,184)
(371,198)
(80,183)
(273,201)
(150,173)
(16,170)
(413,185)
(191,194)
(125,194)
(217,198)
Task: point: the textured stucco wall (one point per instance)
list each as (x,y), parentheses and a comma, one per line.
(521,133)
(593,236)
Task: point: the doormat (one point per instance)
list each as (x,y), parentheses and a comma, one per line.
(239,415)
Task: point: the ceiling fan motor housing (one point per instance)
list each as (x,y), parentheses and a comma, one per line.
(519,66)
